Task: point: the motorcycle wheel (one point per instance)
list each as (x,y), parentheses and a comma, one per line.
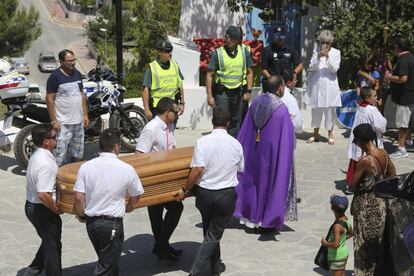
(24,146)
(138,119)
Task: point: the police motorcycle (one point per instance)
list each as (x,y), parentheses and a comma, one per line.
(103,103)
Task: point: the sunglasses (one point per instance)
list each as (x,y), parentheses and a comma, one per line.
(166,51)
(175,112)
(325,42)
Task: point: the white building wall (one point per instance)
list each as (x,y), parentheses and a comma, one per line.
(207,19)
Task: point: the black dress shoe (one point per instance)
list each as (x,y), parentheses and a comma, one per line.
(175,251)
(164,255)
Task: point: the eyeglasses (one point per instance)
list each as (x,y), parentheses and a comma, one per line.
(70,61)
(325,42)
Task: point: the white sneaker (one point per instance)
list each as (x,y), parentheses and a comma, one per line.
(399,154)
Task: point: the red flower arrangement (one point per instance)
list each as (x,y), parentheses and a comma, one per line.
(208,45)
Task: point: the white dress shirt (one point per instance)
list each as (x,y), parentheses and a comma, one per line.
(292,105)
(156,136)
(41,175)
(221,156)
(105,180)
(323,88)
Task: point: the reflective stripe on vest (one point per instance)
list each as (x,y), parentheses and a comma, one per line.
(164,82)
(232,71)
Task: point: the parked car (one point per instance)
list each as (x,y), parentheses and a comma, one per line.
(47,61)
(21,65)
(34,94)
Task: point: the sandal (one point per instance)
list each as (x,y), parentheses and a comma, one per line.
(331,141)
(312,139)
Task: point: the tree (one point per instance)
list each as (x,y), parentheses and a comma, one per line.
(357,25)
(144,23)
(85,3)
(18,29)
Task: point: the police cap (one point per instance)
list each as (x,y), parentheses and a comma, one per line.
(234,32)
(279,34)
(164,45)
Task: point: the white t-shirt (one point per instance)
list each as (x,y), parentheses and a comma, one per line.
(156,136)
(68,101)
(292,104)
(41,175)
(105,180)
(221,155)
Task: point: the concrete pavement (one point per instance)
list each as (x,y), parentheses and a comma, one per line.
(291,252)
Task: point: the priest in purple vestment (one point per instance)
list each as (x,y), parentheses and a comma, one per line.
(267,137)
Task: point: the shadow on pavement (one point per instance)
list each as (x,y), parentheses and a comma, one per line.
(306,135)
(341,185)
(7,162)
(346,133)
(137,259)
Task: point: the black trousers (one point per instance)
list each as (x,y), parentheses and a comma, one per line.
(48,226)
(107,244)
(163,227)
(216,208)
(231,101)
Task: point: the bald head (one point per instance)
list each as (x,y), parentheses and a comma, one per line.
(275,85)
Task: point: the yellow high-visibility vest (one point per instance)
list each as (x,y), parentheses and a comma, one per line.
(232,71)
(164,82)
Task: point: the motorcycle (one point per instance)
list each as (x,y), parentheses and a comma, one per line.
(103,100)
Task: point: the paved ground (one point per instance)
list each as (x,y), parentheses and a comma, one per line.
(290,252)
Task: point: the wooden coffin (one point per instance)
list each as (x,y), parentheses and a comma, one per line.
(161,174)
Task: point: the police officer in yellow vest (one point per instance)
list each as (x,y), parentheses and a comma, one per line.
(162,79)
(230,64)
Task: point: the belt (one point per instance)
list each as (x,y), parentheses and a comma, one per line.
(104,218)
(218,190)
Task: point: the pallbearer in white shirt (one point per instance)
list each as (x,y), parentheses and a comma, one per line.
(158,135)
(216,160)
(40,207)
(100,190)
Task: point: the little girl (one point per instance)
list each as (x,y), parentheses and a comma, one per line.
(367,112)
(367,76)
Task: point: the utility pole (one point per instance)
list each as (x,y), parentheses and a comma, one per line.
(119,60)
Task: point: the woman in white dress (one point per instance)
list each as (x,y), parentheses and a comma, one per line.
(323,93)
